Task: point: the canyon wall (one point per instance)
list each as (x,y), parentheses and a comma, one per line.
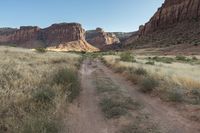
(171,13)
(101,39)
(55,35)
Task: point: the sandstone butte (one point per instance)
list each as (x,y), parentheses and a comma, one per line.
(63,37)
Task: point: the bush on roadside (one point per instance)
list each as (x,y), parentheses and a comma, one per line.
(148,84)
(68,78)
(43,95)
(112,109)
(140,71)
(175,95)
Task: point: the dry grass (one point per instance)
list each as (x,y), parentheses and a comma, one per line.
(181,74)
(29,96)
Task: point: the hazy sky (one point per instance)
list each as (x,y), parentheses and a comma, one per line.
(112,15)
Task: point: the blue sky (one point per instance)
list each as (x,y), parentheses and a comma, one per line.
(112,15)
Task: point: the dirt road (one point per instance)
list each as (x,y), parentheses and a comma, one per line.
(85,115)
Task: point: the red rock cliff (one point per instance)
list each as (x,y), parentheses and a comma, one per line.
(55,35)
(100,38)
(62,33)
(172,12)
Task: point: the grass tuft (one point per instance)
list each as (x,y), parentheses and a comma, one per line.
(148,84)
(127,57)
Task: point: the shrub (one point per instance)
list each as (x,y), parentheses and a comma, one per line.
(40,125)
(112,109)
(68,78)
(194,58)
(163,59)
(150,63)
(140,71)
(43,95)
(127,57)
(181,58)
(40,50)
(175,96)
(148,84)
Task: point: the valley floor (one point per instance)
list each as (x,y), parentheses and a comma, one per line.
(87,115)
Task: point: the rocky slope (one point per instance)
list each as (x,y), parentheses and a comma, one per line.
(53,36)
(172,12)
(101,39)
(176,24)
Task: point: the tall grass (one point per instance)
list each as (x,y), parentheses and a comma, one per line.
(160,77)
(30,93)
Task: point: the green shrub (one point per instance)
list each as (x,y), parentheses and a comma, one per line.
(148,84)
(163,59)
(150,63)
(140,71)
(40,50)
(43,95)
(68,78)
(194,58)
(181,58)
(175,96)
(40,125)
(127,57)
(112,109)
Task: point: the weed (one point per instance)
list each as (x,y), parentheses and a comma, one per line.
(148,84)
(140,71)
(68,78)
(112,109)
(127,57)
(150,63)
(40,125)
(163,59)
(40,50)
(175,95)
(43,95)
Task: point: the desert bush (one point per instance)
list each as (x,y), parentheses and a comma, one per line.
(150,63)
(112,109)
(175,95)
(163,59)
(68,78)
(40,50)
(40,125)
(195,95)
(194,58)
(148,84)
(140,71)
(181,58)
(43,95)
(120,69)
(127,57)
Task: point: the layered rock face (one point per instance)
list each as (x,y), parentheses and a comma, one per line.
(172,12)
(62,33)
(101,39)
(175,27)
(55,35)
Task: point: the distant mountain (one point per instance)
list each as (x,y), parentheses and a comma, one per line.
(57,35)
(101,39)
(123,35)
(6,31)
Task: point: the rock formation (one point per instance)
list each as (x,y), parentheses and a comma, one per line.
(176,25)
(53,36)
(100,38)
(172,12)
